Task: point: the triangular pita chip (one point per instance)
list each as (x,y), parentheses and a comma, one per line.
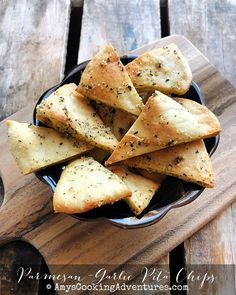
(142,188)
(36,147)
(85,184)
(105,79)
(69,112)
(164,69)
(164,123)
(188,161)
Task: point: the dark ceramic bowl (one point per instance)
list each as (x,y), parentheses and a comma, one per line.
(172,194)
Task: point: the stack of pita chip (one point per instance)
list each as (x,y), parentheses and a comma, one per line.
(105,120)
(167,138)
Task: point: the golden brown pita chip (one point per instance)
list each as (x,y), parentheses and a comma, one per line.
(69,112)
(36,147)
(162,123)
(142,188)
(85,184)
(188,161)
(105,79)
(164,69)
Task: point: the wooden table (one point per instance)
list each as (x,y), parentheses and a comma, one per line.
(40,40)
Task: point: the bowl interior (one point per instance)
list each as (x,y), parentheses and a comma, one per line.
(173,192)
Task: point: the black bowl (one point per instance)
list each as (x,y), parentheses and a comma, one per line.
(173,192)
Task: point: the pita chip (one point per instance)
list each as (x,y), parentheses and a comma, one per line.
(69,112)
(163,123)
(85,184)
(105,79)
(205,118)
(142,188)
(164,69)
(188,161)
(35,147)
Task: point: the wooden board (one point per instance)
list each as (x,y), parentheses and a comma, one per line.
(62,239)
(201,22)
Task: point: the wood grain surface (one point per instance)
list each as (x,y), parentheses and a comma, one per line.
(32,49)
(210,25)
(62,239)
(126,24)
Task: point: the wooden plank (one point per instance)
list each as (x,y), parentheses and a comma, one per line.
(123,19)
(33,42)
(32,50)
(126,24)
(210,25)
